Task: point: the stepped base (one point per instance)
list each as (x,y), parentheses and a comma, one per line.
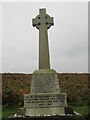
(75,117)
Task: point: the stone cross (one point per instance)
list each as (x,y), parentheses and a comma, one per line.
(43,22)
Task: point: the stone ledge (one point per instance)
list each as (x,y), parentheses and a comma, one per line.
(44,71)
(49,118)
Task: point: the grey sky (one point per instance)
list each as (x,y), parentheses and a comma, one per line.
(68,38)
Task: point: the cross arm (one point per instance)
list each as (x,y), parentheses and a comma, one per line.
(36,22)
(50,21)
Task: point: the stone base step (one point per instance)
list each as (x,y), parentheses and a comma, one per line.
(75,117)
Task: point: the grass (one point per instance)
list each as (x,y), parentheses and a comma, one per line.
(81,109)
(8,111)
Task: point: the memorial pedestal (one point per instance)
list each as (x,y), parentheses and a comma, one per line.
(45,97)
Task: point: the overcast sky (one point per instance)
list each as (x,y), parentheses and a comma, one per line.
(68,38)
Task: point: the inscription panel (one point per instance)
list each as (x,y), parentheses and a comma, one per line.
(45,100)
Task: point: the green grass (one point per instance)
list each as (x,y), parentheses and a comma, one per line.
(8,111)
(81,109)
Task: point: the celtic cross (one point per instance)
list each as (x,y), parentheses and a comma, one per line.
(43,22)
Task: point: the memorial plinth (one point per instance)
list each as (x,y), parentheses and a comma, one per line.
(45,97)
(45,100)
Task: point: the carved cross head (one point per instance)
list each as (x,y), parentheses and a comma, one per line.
(43,20)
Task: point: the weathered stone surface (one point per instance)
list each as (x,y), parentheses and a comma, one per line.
(45,111)
(45,81)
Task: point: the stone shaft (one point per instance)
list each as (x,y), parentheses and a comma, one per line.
(44,61)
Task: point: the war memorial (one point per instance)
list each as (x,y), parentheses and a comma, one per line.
(45,100)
